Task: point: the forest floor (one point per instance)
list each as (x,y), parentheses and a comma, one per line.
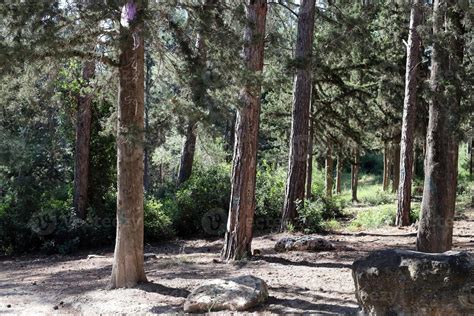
(298,282)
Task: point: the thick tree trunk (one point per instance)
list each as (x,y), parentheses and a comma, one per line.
(355,175)
(439,191)
(309,163)
(127,268)
(409,117)
(339,169)
(295,185)
(83,137)
(238,237)
(187,153)
(148,83)
(329,170)
(471,155)
(396,165)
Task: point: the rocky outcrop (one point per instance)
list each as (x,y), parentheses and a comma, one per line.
(235,294)
(305,243)
(402,282)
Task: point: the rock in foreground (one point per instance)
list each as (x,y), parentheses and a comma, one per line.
(402,282)
(305,243)
(235,294)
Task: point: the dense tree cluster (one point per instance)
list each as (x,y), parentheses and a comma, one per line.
(142,119)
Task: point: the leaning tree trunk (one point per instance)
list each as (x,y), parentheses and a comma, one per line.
(83,137)
(439,192)
(355,175)
(128,268)
(295,184)
(329,170)
(409,117)
(187,153)
(339,166)
(238,237)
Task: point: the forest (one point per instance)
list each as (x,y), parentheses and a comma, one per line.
(246,156)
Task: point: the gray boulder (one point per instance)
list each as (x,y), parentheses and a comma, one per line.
(235,294)
(403,282)
(305,243)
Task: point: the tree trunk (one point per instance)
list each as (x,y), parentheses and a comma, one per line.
(471,154)
(409,117)
(83,137)
(439,191)
(329,170)
(295,185)
(238,237)
(187,153)
(355,175)
(386,166)
(309,163)
(339,167)
(127,268)
(396,165)
(148,82)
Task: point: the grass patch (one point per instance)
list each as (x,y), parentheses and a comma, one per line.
(379,216)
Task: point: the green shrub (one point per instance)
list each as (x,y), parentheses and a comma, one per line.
(379,216)
(374,195)
(206,190)
(269,195)
(158,224)
(313,214)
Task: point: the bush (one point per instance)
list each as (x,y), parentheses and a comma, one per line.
(374,195)
(206,191)
(158,224)
(314,213)
(269,195)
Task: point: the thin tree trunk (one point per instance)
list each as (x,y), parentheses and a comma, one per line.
(187,153)
(83,137)
(127,268)
(238,237)
(396,165)
(199,96)
(439,191)
(409,117)
(309,163)
(471,154)
(295,185)
(329,170)
(355,175)
(386,166)
(339,167)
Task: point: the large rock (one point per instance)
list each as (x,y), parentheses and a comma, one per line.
(235,294)
(305,243)
(402,282)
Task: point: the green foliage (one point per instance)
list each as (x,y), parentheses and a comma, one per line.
(158,224)
(208,189)
(378,216)
(269,195)
(314,214)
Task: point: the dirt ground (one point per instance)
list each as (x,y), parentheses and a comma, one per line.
(319,283)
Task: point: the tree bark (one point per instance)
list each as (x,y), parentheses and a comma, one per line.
(439,191)
(409,117)
(309,163)
(395,165)
(238,237)
(187,153)
(128,268)
(295,185)
(339,167)
(329,170)
(355,175)
(83,137)
(386,166)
